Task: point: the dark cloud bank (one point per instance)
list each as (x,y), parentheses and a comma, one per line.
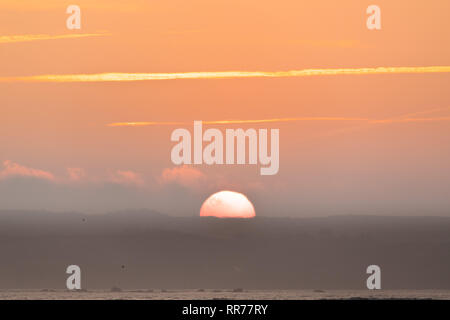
(144,249)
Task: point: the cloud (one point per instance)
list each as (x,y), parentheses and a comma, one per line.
(76,174)
(127,177)
(434,119)
(255,121)
(22,187)
(406,118)
(39,37)
(196,180)
(12,169)
(120,77)
(122,177)
(185,176)
(278,120)
(104,5)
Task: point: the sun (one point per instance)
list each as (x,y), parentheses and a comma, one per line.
(227,204)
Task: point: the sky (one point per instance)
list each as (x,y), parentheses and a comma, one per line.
(354,139)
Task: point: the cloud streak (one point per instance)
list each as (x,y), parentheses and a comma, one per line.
(12,169)
(433,119)
(256,121)
(40,37)
(74,175)
(125,77)
(186,176)
(405,118)
(126,177)
(278,120)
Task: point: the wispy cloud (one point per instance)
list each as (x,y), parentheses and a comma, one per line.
(256,121)
(405,118)
(104,5)
(434,119)
(76,174)
(196,180)
(119,77)
(39,37)
(278,120)
(185,176)
(12,169)
(126,177)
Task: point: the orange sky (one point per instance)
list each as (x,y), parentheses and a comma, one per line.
(394,161)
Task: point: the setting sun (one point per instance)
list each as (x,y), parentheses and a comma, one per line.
(227,204)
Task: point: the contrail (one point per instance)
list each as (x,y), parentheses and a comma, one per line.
(171,123)
(366,120)
(412,120)
(405,118)
(37,37)
(119,77)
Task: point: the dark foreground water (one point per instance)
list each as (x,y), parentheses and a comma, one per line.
(47,294)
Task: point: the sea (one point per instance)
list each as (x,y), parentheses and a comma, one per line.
(204,294)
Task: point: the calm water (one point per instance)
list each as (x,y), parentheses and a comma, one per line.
(210,294)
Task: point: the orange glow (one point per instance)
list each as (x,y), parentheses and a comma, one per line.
(363,115)
(227,204)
